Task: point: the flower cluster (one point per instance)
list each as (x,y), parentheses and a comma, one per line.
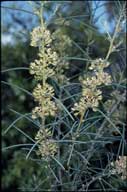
(99,64)
(120,167)
(47,147)
(89,99)
(43,95)
(100,77)
(91,95)
(39,35)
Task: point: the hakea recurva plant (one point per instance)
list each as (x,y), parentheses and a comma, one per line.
(49,65)
(45,67)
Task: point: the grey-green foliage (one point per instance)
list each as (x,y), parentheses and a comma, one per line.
(69,169)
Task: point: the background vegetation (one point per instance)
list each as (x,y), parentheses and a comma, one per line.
(78,20)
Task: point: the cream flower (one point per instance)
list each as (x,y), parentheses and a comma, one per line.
(47,147)
(40,35)
(42,92)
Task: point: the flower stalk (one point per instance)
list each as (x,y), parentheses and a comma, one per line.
(43,69)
